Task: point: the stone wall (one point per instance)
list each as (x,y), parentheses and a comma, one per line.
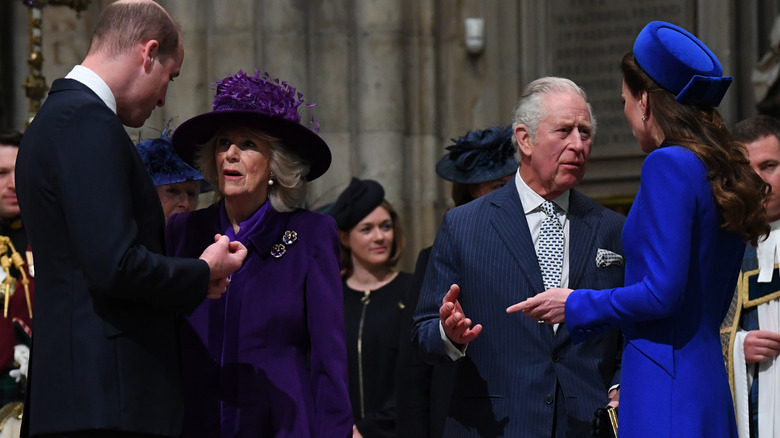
(393,81)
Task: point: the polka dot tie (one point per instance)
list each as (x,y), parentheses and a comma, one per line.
(549,249)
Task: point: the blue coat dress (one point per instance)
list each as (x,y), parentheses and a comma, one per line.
(269,357)
(681,269)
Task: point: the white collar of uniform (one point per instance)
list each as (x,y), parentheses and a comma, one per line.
(766,252)
(532,200)
(94,83)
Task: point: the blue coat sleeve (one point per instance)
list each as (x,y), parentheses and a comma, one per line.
(658,242)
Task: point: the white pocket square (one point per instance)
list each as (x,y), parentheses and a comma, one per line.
(605,257)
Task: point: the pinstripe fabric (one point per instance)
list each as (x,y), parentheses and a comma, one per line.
(506,384)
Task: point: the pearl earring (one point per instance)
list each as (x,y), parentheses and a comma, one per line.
(271,180)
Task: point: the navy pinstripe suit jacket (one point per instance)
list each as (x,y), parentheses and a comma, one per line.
(506,383)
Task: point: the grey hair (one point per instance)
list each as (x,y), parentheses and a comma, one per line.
(530,109)
(289,171)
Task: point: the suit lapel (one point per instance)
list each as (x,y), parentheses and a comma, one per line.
(508,219)
(583,227)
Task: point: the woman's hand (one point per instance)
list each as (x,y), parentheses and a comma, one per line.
(548,307)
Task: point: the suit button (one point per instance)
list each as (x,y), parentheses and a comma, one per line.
(556,359)
(548,399)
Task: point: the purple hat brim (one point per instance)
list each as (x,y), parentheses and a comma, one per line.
(191,134)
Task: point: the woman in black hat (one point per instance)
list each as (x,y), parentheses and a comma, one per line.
(684,238)
(372,242)
(268,358)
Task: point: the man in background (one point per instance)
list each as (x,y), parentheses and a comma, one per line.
(755,330)
(12,228)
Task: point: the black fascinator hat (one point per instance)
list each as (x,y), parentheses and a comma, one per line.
(479,156)
(359,199)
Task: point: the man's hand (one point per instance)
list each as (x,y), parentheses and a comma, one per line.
(548,307)
(761,345)
(456,326)
(223,257)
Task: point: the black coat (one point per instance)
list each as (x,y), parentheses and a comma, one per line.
(105,348)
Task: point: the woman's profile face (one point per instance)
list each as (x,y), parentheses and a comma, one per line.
(371,240)
(632,108)
(243,164)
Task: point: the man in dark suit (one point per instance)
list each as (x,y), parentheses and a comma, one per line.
(520,378)
(105,356)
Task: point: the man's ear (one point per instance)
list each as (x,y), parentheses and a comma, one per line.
(523,137)
(150,50)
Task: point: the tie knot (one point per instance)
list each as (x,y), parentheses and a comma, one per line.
(548,207)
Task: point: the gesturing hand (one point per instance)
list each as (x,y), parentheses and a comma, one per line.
(456,326)
(548,306)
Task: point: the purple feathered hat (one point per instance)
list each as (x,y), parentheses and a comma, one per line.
(258,102)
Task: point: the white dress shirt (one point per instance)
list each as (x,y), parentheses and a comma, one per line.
(95,83)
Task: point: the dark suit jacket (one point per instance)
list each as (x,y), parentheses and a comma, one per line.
(105,348)
(423,391)
(518,373)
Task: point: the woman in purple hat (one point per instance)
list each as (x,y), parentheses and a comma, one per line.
(698,203)
(268,359)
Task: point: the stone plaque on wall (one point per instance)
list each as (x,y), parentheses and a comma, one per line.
(586,40)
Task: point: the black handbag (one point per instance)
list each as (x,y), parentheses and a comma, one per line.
(605,422)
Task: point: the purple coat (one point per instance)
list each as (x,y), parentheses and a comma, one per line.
(268,358)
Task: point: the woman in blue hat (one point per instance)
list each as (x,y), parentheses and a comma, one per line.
(698,203)
(268,358)
(178,184)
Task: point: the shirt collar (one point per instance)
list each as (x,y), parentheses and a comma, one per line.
(532,201)
(92,81)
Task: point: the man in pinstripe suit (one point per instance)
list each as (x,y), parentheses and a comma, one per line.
(518,378)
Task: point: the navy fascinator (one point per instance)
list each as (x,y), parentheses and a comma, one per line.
(479,156)
(164,165)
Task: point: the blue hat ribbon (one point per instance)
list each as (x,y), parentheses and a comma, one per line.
(704,90)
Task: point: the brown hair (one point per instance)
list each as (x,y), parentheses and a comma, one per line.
(461,193)
(755,128)
(10,138)
(738,191)
(124,24)
(399,244)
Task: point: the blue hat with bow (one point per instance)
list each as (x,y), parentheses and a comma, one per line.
(681,64)
(479,156)
(164,165)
